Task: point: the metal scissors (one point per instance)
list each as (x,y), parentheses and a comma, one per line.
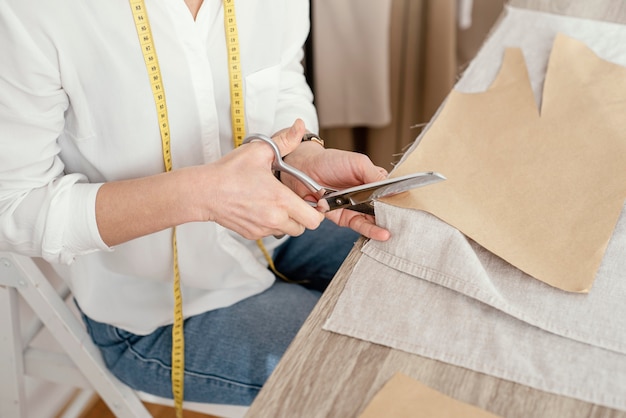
(360,198)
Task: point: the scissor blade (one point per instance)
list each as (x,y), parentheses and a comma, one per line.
(360,198)
(404,183)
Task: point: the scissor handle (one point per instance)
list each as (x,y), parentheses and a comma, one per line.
(280,165)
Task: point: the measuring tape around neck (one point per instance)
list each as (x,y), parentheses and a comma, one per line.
(154,72)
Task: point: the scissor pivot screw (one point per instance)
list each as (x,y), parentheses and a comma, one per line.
(339,201)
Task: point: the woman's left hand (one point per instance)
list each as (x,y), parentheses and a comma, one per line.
(337,169)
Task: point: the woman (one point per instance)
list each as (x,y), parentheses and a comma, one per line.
(82,181)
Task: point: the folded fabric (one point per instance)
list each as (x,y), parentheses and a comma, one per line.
(398,310)
(424,247)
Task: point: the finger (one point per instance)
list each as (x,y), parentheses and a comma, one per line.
(288,140)
(376,173)
(297,225)
(306,215)
(293,228)
(365,225)
(291,215)
(361,223)
(322,206)
(253,231)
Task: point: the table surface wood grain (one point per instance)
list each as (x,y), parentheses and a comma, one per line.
(324,374)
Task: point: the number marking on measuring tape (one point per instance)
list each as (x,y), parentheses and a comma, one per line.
(237,113)
(154,73)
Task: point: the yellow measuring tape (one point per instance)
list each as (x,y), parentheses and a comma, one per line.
(154,72)
(237,112)
(238,127)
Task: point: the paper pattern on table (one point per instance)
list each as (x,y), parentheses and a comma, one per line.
(404,397)
(542,191)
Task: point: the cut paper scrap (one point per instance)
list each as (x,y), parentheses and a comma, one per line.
(542,191)
(404,397)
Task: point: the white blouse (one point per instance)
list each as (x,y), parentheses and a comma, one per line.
(76,110)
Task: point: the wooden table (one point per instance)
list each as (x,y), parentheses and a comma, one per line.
(324,374)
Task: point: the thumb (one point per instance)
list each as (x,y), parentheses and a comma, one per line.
(288,139)
(374,173)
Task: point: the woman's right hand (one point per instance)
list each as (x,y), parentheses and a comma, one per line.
(241,193)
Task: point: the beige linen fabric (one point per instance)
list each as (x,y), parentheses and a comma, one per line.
(389,307)
(432,291)
(424,247)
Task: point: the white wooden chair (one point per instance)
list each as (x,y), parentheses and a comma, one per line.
(77,363)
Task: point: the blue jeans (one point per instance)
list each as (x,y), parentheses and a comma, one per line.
(230,352)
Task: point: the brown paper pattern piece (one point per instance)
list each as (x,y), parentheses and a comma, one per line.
(542,191)
(404,397)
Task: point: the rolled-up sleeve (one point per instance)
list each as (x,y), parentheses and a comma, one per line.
(43,212)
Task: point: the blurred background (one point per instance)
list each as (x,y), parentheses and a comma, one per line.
(381,68)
